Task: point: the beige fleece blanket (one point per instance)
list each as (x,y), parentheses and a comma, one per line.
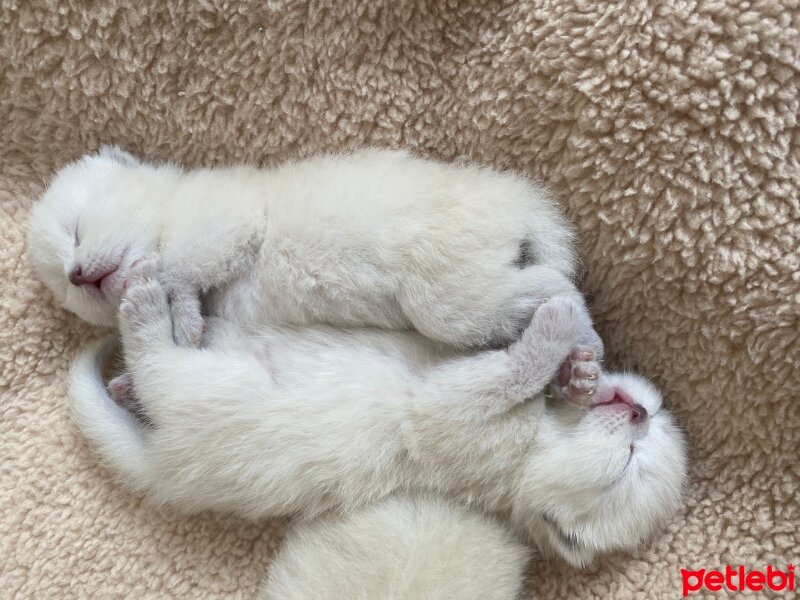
(668,129)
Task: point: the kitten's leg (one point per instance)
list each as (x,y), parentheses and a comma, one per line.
(188,274)
(188,324)
(533,286)
(491,310)
(176,382)
(495,381)
(145,321)
(193,399)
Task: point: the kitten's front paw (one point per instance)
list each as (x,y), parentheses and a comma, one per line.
(556,323)
(143,301)
(552,333)
(578,376)
(143,269)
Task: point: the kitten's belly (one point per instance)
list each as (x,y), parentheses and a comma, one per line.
(276,292)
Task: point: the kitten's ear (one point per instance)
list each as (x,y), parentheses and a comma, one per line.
(118,155)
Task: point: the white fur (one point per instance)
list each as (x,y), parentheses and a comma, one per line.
(299,421)
(399,549)
(374,238)
(273,419)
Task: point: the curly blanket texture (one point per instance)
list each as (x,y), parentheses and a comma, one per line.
(669,131)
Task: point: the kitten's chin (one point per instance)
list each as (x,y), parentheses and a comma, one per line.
(98,310)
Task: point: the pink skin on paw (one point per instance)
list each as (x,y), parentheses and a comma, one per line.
(578,376)
(121,390)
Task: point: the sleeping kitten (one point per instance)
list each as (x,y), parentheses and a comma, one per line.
(300,421)
(376,238)
(402,548)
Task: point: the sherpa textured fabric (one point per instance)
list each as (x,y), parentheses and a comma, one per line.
(669,130)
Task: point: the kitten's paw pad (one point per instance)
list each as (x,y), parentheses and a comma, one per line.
(555,321)
(188,327)
(144,301)
(579,375)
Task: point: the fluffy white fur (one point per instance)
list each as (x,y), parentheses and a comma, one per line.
(300,421)
(399,549)
(275,417)
(377,238)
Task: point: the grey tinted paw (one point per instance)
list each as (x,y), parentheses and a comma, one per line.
(555,322)
(552,333)
(144,301)
(142,270)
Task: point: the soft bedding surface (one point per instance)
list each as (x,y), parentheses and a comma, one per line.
(669,130)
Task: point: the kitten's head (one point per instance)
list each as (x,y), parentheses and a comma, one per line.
(606,478)
(90,225)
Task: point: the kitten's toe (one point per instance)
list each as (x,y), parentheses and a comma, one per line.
(144,301)
(587,336)
(578,377)
(581,389)
(142,269)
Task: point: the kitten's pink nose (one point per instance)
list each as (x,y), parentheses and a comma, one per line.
(76,277)
(619,401)
(638,413)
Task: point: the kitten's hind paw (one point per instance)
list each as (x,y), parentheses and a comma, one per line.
(578,376)
(121,390)
(124,394)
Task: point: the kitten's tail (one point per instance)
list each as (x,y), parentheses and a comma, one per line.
(114,432)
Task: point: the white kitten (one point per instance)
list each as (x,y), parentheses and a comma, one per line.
(374,238)
(299,421)
(399,549)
